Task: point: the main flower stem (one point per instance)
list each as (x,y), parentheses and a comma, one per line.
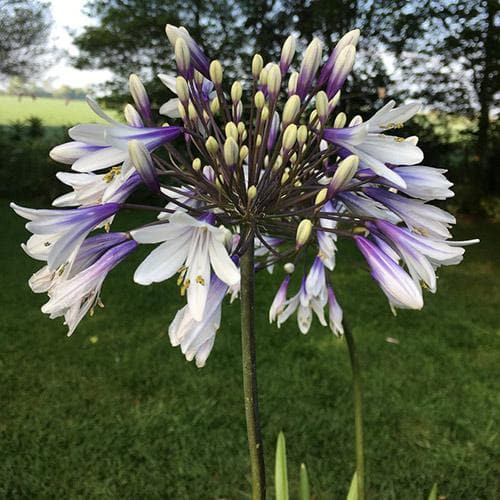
(250,370)
(358,411)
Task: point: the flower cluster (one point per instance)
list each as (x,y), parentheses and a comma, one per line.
(273,164)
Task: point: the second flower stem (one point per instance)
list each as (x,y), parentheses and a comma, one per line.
(250,370)
(358,411)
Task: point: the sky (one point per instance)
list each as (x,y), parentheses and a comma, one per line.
(67,14)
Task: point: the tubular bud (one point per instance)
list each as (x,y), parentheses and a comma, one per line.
(257,65)
(264,116)
(340,120)
(231,130)
(292,83)
(196,164)
(215,71)
(332,103)
(309,67)
(212,145)
(322,106)
(287,53)
(215,105)
(231,151)
(259,100)
(243,152)
(345,172)
(289,267)
(274,80)
(143,163)
(182,89)
(236,92)
(289,137)
(132,116)
(263,77)
(140,96)
(303,234)
(192,113)
(321,196)
(302,135)
(183,58)
(251,193)
(291,109)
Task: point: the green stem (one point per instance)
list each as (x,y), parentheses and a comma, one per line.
(250,372)
(358,412)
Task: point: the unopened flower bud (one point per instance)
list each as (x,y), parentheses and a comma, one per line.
(251,193)
(238,111)
(236,91)
(132,116)
(303,234)
(231,130)
(341,69)
(264,116)
(231,151)
(215,105)
(289,137)
(243,152)
(274,80)
(291,110)
(241,127)
(340,120)
(345,172)
(257,65)
(263,77)
(313,116)
(285,177)
(215,71)
(302,135)
(258,140)
(196,164)
(140,96)
(309,67)
(212,145)
(332,103)
(292,83)
(287,53)
(182,57)
(259,99)
(278,163)
(289,267)
(193,115)
(322,106)
(181,88)
(321,196)
(143,163)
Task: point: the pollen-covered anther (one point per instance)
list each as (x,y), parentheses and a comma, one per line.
(200,280)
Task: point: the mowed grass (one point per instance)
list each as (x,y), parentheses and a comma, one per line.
(116,412)
(52,111)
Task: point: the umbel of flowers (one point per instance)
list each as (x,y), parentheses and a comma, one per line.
(244,177)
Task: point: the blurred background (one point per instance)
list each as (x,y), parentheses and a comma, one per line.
(115,412)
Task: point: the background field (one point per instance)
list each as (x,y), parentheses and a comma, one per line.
(115,412)
(53,112)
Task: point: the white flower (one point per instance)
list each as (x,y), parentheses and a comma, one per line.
(197,338)
(191,247)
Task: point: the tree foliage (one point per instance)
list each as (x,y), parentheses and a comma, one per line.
(24,31)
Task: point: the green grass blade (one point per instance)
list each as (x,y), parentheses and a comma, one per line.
(434,492)
(353,490)
(305,491)
(280,471)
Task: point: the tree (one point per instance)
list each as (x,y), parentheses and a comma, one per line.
(130,35)
(24,31)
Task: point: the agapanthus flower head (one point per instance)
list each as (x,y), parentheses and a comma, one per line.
(273,164)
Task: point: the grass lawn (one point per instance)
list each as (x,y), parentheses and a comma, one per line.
(116,412)
(53,112)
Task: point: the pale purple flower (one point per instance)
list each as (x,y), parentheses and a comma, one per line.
(335,314)
(65,229)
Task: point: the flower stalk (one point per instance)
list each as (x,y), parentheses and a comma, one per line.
(358,411)
(256,452)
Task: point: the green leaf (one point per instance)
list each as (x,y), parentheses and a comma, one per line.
(353,490)
(434,492)
(280,472)
(305,491)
